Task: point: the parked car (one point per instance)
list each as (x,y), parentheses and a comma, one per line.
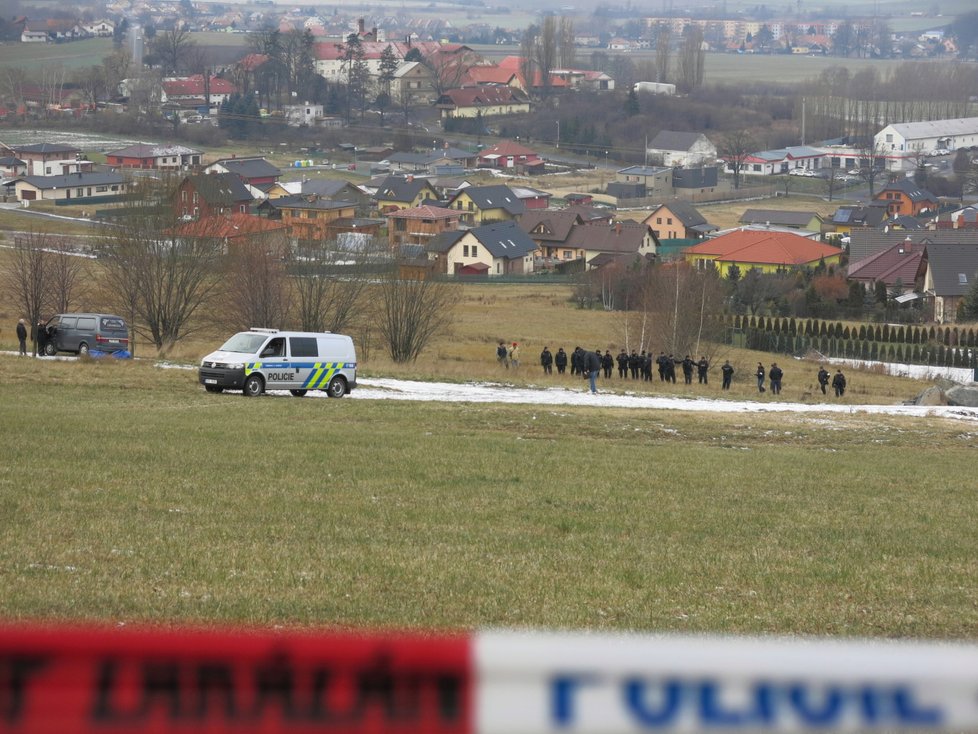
(940,151)
(84,332)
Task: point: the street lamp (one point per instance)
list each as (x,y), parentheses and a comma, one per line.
(557,145)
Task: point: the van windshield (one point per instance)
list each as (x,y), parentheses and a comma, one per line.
(245,343)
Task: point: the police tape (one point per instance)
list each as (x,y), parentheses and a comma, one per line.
(80,680)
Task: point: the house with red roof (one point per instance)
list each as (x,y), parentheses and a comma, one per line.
(509,155)
(493,76)
(236,230)
(900,263)
(482,102)
(192,92)
(769,251)
(419,224)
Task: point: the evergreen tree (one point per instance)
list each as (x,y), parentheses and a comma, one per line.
(632,107)
(968,308)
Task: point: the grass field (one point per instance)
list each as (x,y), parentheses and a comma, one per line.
(129,494)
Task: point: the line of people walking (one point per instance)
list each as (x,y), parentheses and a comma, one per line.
(642,366)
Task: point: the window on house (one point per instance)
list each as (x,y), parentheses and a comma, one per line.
(889,137)
(471,207)
(475,251)
(669,220)
(47,170)
(962,279)
(757,166)
(183,196)
(658,220)
(465,250)
(100,189)
(195,197)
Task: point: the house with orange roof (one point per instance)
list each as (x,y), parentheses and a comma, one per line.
(765,250)
(417,225)
(492,75)
(237,230)
(904,197)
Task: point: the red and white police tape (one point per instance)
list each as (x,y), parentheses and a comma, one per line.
(81,680)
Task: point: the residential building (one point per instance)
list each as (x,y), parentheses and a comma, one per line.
(310,218)
(636,182)
(687,149)
(403,192)
(80,187)
(484,204)
(509,155)
(50,159)
(896,265)
(615,239)
(193,92)
(850,217)
(205,195)
(550,229)
(413,84)
(418,225)
(764,250)
(792,219)
(252,170)
(156,157)
(482,102)
(500,248)
(906,198)
(678,220)
(236,231)
(952,271)
(781,160)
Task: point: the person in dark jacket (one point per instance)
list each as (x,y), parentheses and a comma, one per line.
(41,336)
(702,367)
(759,374)
(634,364)
(671,369)
(608,363)
(592,368)
(647,367)
(839,383)
(660,363)
(577,366)
(775,374)
(22,337)
(502,355)
(622,360)
(727,371)
(688,370)
(547,361)
(561,361)
(823,377)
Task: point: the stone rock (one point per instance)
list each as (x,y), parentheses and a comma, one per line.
(931,396)
(963,395)
(945,384)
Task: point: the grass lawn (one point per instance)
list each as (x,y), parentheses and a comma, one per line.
(130,494)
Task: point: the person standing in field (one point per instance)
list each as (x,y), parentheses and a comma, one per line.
(759,374)
(823,377)
(575,359)
(22,337)
(622,364)
(561,361)
(608,363)
(775,374)
(592,368)
(727,371)
(547,361)
(502,355)
(839,383)
(688,370)
(514,355)
(702,367)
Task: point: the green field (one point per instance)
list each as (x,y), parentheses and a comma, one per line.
(129,494)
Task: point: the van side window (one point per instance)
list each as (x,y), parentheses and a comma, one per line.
(87,323)
(274,348)
(303,346)
(67,322)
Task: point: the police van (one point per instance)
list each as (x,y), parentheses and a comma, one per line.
(257,360)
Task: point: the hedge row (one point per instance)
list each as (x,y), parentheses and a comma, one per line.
(924,354)
(949,336)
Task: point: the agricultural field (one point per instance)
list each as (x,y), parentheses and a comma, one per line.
(130,494)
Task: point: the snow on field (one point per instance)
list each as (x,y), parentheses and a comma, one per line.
(82,141)
(496,392)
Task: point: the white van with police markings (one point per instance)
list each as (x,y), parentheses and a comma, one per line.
(268,359)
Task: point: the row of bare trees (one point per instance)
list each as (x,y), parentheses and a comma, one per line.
(171,279)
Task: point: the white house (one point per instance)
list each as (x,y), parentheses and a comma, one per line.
(682,149)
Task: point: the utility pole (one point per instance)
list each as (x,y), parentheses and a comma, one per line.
(802,120)
(557,145)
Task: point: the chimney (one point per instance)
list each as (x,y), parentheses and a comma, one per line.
(617,228)
(907,244)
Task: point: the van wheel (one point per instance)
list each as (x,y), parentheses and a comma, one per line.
(83,349)
(336,388)
(50,350)
(254,386)
(298,393)
(213,388)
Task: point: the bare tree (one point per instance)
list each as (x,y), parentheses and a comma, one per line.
(691,60)
(546,52)
(528,43)
(328,296)
(663,52)
(872,163)
(686,307)
(566,47)
(257,287)
(412,313)
(161,278)
(26,276)
(65,270)
(172,48)
(734,148)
